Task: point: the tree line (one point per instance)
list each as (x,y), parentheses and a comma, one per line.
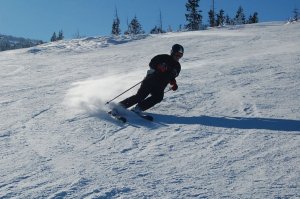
(193,19)
(220,19)
(11,43)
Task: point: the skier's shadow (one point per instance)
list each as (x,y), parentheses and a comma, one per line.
(233,122)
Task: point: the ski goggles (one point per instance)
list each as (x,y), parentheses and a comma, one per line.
(178,55)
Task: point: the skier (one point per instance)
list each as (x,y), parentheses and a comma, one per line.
(163,70)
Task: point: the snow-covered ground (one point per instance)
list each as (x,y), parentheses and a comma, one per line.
(232,130)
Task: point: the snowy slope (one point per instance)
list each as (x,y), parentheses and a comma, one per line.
(232,130)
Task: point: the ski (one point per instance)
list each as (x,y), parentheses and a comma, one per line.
(147,117)
(144,116)
(115,114)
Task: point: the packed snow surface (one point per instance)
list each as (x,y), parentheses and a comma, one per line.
(232,130)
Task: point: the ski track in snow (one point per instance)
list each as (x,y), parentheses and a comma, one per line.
(230,131)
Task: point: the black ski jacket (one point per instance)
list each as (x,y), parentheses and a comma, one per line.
(163,78)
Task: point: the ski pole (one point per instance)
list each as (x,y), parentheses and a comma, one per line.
(123,93)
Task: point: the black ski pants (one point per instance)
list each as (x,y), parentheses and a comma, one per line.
(148,87)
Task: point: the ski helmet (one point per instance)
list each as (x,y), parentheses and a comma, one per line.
(177,48)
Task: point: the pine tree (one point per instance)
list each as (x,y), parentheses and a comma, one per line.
(296,14)
(155,30)
(211,15)
(135,27)
(77,35)
(193,17)
(60,35)
(228,21)
(160,23)
(179,28)
(159,29)
(116,31)
(54,37)
(240,16)
(253,18)
(211,18)
(221,18)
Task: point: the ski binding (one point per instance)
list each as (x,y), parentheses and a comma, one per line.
(118,117)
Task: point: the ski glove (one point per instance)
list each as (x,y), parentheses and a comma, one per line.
(174,85)
(162,67)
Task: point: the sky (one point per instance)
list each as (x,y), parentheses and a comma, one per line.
(38,19)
